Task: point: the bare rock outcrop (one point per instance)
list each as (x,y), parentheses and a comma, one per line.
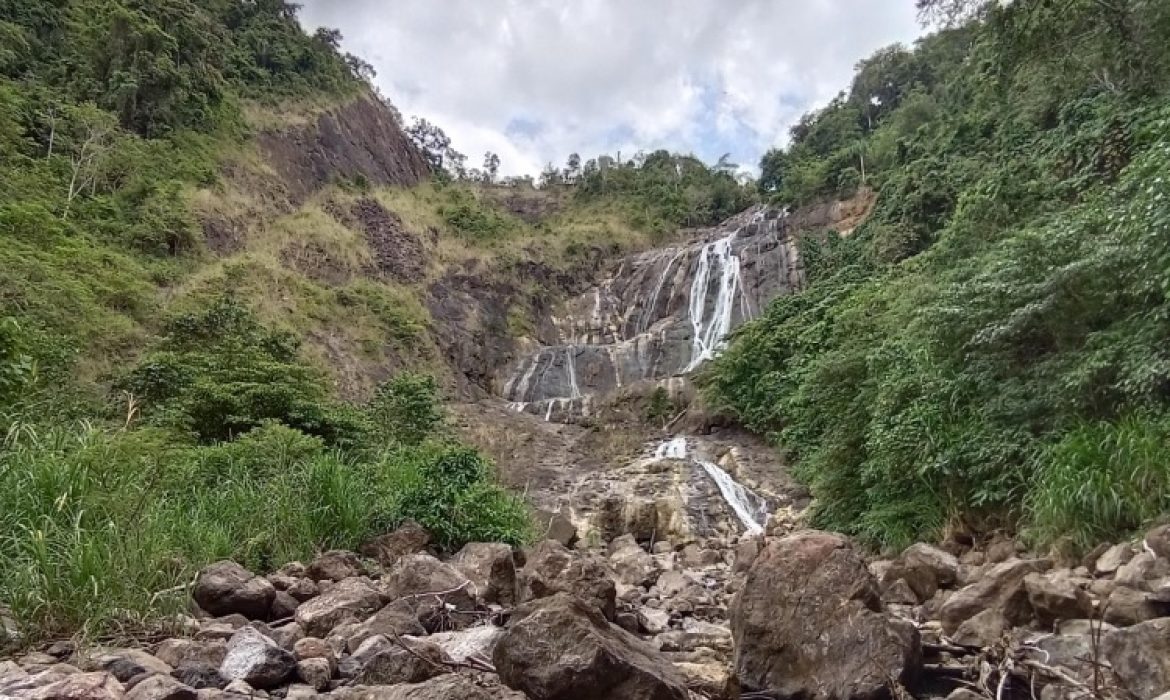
(808,623)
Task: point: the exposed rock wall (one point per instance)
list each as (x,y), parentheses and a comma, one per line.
(358,139)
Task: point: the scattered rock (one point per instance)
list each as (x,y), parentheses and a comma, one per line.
(1001,588)
(161,688)
(438,592)
(491,569)
(925,569)
(199,676)
(1056,597)
(1127,606)
(1157,540)
(1113,558)
(446,687)
(335,565)
(125,664)
(653,621)
(256,660)
(379,661)
(181,652)
(746,552)
(315,672)
(982,629)
(284,606)
(79,686)
(634,566)
(557,527)
(588,653)
(225,587)
(347,601)
(552,569)
(409,538)
(396,619)
(710,679)
(807,623)
(1140,657)
(476,642)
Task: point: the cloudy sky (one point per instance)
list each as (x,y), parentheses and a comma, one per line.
(535,80)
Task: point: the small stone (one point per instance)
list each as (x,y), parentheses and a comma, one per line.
(335,565)
(160,687)
(315,672)
(199,676)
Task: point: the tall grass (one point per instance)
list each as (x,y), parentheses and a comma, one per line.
(100,530)
(1101,480)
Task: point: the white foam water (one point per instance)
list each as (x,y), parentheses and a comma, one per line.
(748,506)
(709,333)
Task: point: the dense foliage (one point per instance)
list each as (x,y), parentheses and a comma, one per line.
(142,437)
(990,348)
(664,191)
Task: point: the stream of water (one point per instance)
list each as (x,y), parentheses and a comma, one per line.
(749,507)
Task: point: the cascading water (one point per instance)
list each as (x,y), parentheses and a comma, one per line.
(661,313)
(709,333)
(748,506)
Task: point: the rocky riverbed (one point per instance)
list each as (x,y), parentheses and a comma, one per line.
(790,613)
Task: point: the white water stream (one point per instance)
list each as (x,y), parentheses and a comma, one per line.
(749,507)
(710,332)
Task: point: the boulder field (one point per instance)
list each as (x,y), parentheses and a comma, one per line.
(796,613)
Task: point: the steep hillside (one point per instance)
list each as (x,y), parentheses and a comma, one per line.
(989,349)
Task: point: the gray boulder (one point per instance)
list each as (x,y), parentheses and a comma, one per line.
(1001,587)
(562,648)
(380,661)
(552,569)
(808,623)
(226,588)
(492,571)
(256,660)
(161,688)
(346,601)
(1140,657)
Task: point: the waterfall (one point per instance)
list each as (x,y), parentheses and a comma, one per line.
(749,507)
(709,333)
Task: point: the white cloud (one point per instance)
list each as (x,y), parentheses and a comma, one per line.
(594,76)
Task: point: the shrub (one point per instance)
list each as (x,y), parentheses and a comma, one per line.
(407,409)
(219,373)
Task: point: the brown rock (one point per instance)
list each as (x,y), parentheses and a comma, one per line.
(925,569)
(982,629)
(80,686)
(181,652)
(315,672)
(125,664)
(409,538)
(807,623)
(379,661)
(556,526)
(1000,588)
(399,618)
(440,595)
(335,565)
(562,648)
(1140,657)
(552,569)
(1055,597)
(1157,540)
(283,606)
(1127,606)
(1113,558)
(225,587)
(449,686)
(161,688)
(491,570)
(347,601)
(633,565)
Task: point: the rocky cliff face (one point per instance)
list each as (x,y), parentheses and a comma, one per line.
(659,313)
(358,140)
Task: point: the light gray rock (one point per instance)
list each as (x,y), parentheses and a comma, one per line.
(1113,558)
(257,660)
(492,571)
(1140,657)
(350,600)
(182,652)
(315,672)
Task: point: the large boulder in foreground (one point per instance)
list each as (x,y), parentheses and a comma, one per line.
(226,588)
(551,568)
(808,623)
(563,648)
(1140,657)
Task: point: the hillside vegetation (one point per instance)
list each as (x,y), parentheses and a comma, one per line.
(199,362)
(990,349)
